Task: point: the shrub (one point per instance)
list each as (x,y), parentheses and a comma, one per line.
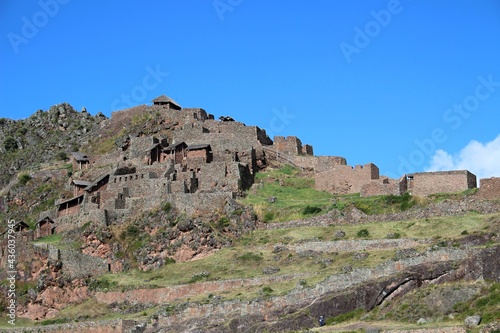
(130,232)
(199,276)
(268,216)
(61,156)
(395,235)
(363,233)
(167,207)
(54,321)
(311,210)
(267,290)
(24,178)
(249,256)
(168,261)
(223,222)
(10,144)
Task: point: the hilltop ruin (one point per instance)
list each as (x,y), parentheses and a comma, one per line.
(199,163)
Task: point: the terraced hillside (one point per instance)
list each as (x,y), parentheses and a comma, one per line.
(366,264)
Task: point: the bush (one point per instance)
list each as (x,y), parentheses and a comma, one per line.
(61,156)
(24,178)
(10,144)
(130,232)
(395,235)
(54,321)
(268,216)
(249,256)
(223,222)
(198,277)
(311,210)
(167,207)
(267,290)
(363,233)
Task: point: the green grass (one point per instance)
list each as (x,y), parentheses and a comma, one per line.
(52,239)
(293,192)
(487,303)
(296,197)
(250,254)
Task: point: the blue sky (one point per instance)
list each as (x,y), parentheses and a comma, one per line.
(407,85)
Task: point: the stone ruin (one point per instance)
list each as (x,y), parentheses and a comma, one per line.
(201,162)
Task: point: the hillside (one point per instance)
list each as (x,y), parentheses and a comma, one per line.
(233,240)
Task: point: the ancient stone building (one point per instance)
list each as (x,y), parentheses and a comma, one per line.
(69,206)
(79,186)
(426,183)
(166,102)
(79,160)
(291,145)
(344,179)
(489,188)
(44,227)
(384,186)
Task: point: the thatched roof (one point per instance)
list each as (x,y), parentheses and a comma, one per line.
(96,182)
(59,203)
(175,145)
(163,99)
(198,146)
(153,146)
(80,157)
(80,182)
(46,218)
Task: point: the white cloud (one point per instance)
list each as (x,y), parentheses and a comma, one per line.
(483,160)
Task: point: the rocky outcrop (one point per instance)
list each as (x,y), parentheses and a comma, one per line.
(44,137)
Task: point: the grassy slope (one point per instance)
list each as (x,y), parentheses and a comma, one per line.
(248,256)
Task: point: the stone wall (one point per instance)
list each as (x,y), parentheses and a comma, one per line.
(223,136)
(344,179)
(489,188)
(384,186)
(270,308)
(452,329)
(357,245)
(77,265)
(426,183)
(288,145)
(168,294)
(138,146)
(110,326)
(66,223)
(199,203)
